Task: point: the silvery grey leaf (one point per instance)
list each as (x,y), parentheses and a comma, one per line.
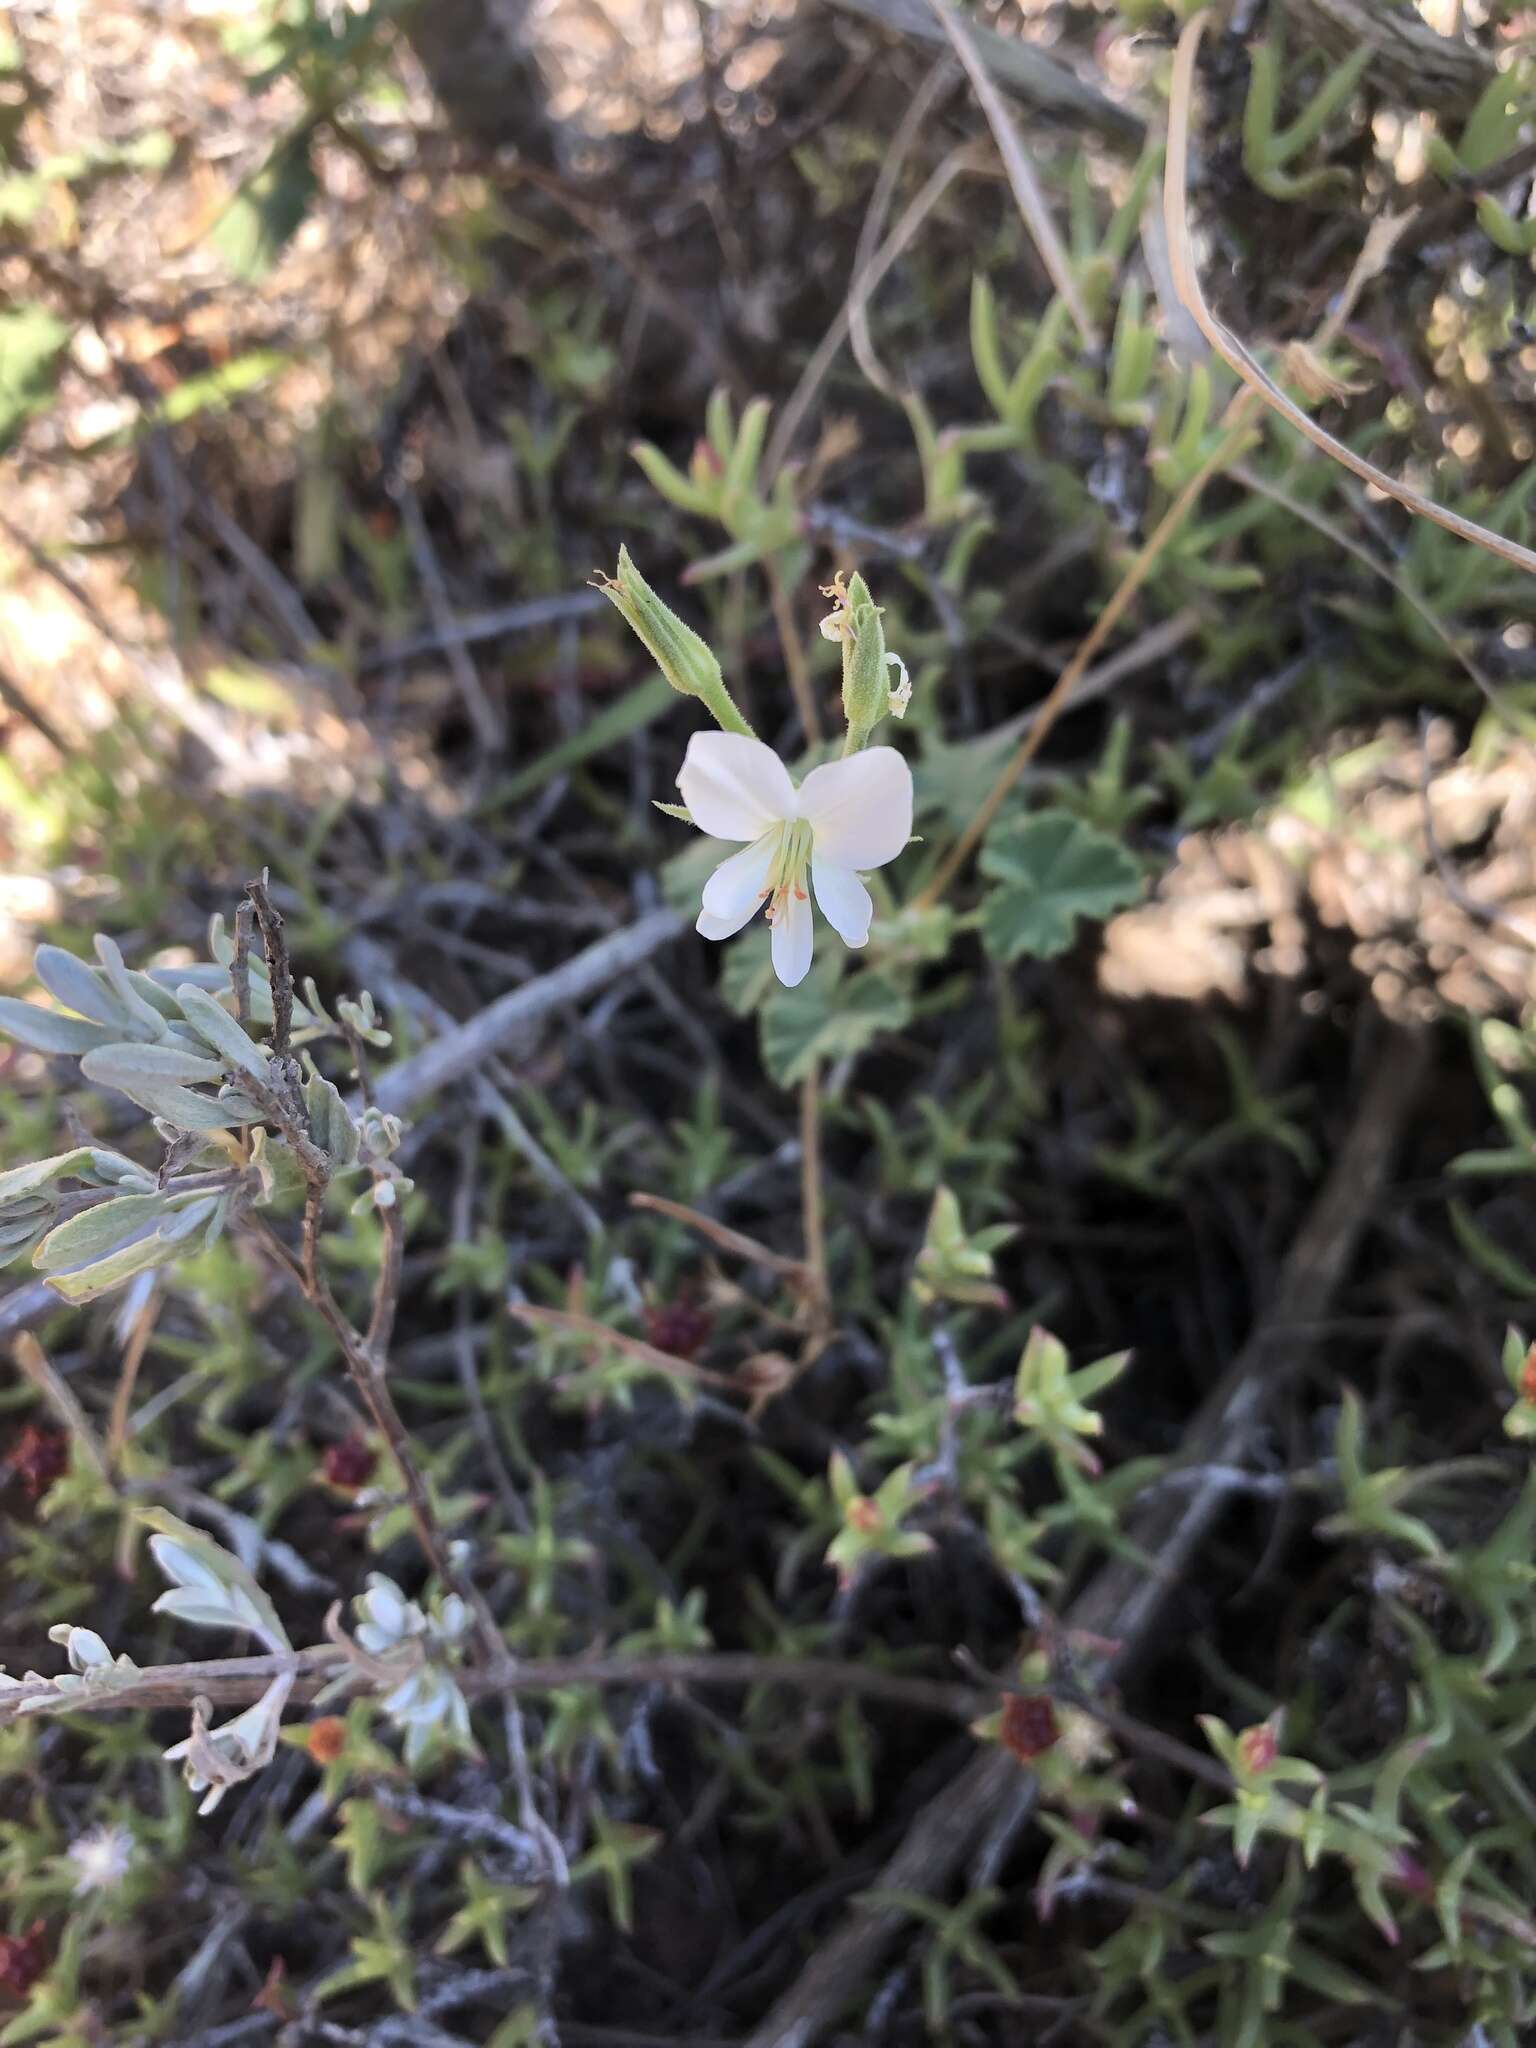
(154,1076)
(217,1221)
(182,1034)
(219,1030)
(202,974)
(146,1021)
(20,1230)
(27,1213)
(49,1031)
(330,1123)
(77,986)
(17,1232)
(194,1216)
(20,1181)
(112,1170)
(180,1110)
(190,1558)
(87,1282)
(214,980)
(96,1231)
(157,997)
(207,1610)
(120,1066)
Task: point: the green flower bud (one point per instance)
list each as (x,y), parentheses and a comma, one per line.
(683,658)
(867,693)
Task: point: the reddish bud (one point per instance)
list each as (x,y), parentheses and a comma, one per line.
(39,1457)
(705,465)
(862,1514)
(326,1739)
(1258,1747)
(681,1328)
(23,1958)
(349,1463)
(1528,1376)
(1029,1726)
(273,1996)
(1410,1873)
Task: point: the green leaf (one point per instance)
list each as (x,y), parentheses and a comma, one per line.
(218,388)
(265,214)
(827,1018)
(1053,870)
(31,341)
(631,712)
(747,978)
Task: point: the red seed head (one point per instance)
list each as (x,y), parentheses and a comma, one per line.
(349,1463)
(1029,1726)
(23,1958)
(39,1457)
(680,1327)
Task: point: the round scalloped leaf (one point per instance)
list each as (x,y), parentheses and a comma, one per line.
(1052,870)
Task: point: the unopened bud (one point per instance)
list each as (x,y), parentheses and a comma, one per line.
(683,658)
(1257,1747)
(866,689)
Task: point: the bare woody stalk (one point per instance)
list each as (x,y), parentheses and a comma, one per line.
(232,1681)
(365,1356)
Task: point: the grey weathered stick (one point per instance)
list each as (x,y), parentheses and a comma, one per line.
(1029,194)
(493,625)
(26,1305)
(483,714)
(513,1015)
(1429,69)
(1122,1601)
(235,1681)
(1018,65)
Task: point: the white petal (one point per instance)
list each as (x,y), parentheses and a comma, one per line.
(860,809)
(792,939)
(737,887)
(735,788)
(843,900)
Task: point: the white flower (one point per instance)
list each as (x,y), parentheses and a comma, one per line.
(102,1858)
(851,814)
(213,1759)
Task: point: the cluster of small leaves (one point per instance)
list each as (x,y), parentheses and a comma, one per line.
(170,1039)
